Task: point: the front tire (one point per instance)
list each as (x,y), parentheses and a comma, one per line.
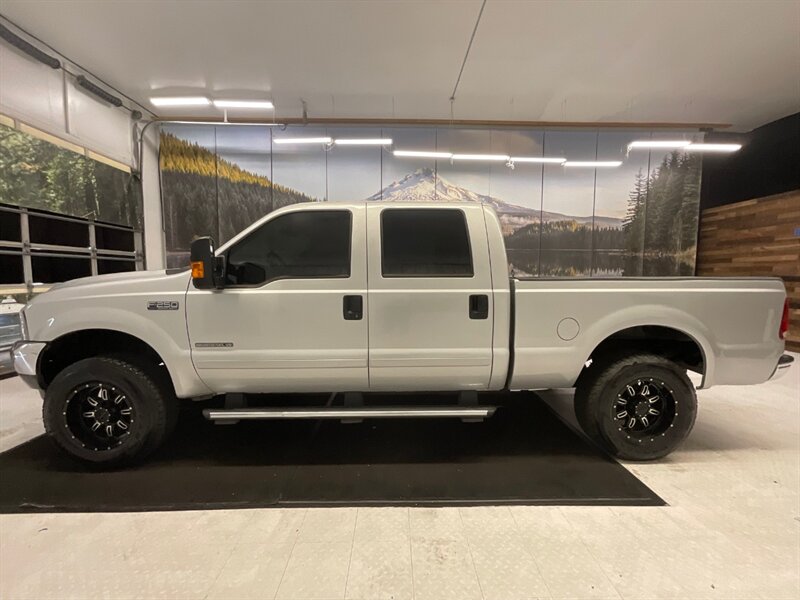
(106,412)
(637,407)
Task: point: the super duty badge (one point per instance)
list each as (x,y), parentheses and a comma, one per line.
(162,305)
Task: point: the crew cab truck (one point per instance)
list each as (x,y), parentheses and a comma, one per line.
(385,297)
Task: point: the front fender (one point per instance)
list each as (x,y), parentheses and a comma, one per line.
(165,334)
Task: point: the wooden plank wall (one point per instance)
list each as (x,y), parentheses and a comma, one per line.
(756,237)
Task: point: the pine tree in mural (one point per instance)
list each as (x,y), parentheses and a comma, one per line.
(690,205)
(208,195)
(674,192)
(37,174)
(663,212)
(188,187)
(633,225)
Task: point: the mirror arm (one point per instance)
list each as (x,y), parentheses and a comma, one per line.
(219,272)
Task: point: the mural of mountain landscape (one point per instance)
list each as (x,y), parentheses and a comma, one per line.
(651,229)
(195,182)
(423,185)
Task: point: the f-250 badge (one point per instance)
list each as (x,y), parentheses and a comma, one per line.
(162,305)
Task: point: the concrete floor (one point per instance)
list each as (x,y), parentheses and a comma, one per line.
(731,530)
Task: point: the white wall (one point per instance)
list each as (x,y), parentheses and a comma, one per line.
(151,199)
(50,100)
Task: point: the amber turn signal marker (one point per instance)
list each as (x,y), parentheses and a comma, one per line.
(198,271)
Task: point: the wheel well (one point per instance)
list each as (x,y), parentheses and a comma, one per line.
(670,343)
(72,347)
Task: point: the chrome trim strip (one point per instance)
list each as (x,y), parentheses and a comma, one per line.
(350,413)
(26,356)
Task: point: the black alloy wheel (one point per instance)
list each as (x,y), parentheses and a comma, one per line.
(645,407)
(99,415)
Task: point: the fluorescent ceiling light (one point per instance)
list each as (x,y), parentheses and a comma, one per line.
(363,142)
(308,140)
(422,154)
(713,147)
(227,124)
(502,157)
(181,101)
(538,159)
(658,144)
(593,163)
(266,104)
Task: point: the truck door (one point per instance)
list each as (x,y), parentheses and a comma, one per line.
(292,315)
(430,298)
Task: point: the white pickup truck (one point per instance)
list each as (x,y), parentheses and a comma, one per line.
(385,297)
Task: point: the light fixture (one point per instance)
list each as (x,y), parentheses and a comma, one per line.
(538,159)
(180,101)
(99,92)
(363,142)
(713,147)
(593,163)
(658,144)
(308,140)
(265,104)
(222,124)
(498,157)
(28,48)
(421,154)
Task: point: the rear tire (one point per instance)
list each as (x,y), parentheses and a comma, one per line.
(637,407)
(106,412)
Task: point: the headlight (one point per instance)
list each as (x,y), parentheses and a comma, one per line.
(23,324)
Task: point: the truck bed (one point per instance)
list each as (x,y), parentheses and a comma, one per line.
(558,323)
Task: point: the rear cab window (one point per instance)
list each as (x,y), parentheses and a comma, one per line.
(427,242)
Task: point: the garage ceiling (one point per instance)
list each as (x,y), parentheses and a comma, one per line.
(701,62)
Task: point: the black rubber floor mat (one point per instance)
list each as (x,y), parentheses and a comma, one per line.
(524,454)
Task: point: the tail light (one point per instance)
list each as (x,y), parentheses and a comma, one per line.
(784,320)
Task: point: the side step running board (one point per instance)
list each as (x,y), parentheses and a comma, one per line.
(373,412)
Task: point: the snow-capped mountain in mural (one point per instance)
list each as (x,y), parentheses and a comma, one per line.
(424,185)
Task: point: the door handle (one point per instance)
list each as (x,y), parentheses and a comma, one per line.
(353,308)
(479,306)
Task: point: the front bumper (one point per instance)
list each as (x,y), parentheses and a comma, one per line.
(6,360)
(784,364)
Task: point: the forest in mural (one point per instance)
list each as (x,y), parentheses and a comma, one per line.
(206,194)
(639,220)
(664,208)
(37,174)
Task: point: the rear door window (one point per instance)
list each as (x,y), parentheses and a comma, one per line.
(427,242)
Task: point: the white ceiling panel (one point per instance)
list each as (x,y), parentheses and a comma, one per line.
(670,61)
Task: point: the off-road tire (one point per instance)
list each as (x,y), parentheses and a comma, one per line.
(160,377)
(600,389)
(151,402)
